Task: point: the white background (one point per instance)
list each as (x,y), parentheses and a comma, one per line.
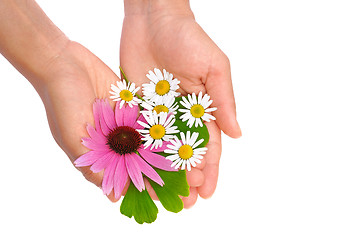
(295,173)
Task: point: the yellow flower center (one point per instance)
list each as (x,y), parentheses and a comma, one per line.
(185,152)
(126,95)
(157,131)
(162,87)
(197,110)
(160,108)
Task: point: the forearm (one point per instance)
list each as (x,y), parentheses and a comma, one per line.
(142,7)
(28,39)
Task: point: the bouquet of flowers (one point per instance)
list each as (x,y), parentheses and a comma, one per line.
(151,139)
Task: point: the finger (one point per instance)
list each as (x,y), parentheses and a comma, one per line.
(219,87)
(189,201)
(195,177)
(201,165)
(212,157)
(92,177)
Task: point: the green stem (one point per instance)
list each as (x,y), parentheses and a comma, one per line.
(126,79)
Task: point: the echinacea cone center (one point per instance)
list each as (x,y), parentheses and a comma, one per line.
(157,131)
(126,95)
(197,110)
(162,87)
(185,152)
(124,140)
(161,108)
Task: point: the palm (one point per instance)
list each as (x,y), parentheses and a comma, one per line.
(180,46)
(69,98)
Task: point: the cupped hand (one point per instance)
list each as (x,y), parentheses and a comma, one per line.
(74,79)
(175,42)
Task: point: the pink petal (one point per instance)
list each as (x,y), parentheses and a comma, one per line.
(108,115)
(93,145)
(108,177)
(137,125)
(88,158)
(97,136)
(96,113)
(156,160)
(148,170)
(134,172)
(119,115)
(120,177)
(131,115)
(102,162)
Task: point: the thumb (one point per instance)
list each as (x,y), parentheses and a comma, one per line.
(219,87)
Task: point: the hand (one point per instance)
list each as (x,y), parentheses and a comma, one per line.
(74,79)
(170,38)
(67,76)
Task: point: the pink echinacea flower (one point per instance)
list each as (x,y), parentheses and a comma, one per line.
(116,147)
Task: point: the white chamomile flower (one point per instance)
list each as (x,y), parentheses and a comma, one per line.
(185,153)
(196,109)
(167,105)
(125,93)
(160,86)
(159,128)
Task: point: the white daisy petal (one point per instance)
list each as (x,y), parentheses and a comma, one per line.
(185,103)
(194,97)
(152,77)
(172,157)
(183,137)
(131,87)
(197,157)
(200,98)
(188,136)
(199,121)
(191,122)
(197,143)
(188,165)
(169,77)
(207,117)
(120,85)
(114,88)
(158,73)
(192,162)
(197,160)
(135,90)
(165,74)
(210,109)
(121,103)
(177,163)
(193,138)
(183,165)
(205,99)
(143,124)
(183,110)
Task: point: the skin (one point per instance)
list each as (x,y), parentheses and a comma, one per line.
(68,77)
(165,35)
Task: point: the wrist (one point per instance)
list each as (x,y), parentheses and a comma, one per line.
(149,7)
(28,39)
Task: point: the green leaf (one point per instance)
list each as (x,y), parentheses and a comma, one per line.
(175,184)
(182,126)
(139,204)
